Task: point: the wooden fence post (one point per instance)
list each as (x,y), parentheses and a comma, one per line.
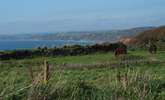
(46,71)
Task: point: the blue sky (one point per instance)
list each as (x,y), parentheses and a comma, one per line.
(28,16)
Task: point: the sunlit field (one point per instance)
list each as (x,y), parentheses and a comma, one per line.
(99,76)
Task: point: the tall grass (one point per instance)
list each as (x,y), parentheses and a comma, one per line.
(127,85)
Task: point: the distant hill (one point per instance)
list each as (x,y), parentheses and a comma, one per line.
(156,35)
(98,36)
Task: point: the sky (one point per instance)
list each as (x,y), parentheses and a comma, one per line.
(35,16)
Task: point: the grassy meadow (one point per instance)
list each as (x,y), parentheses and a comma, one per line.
(100,76)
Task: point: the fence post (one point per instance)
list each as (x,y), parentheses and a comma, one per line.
(46,71)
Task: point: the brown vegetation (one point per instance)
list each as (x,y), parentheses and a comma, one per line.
(156,36)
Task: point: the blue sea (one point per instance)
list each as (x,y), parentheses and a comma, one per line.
(28,44)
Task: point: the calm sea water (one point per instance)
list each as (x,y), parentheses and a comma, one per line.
(27,44)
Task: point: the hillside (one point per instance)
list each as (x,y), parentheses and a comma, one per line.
(156,35)
(98,36)
(110,36)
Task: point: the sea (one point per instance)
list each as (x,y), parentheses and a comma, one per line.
(29,44)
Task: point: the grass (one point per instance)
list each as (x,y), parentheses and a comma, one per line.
(130,81)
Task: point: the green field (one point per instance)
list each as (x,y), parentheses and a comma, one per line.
(100,76)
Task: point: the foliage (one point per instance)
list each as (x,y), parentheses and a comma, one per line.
(64,51)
